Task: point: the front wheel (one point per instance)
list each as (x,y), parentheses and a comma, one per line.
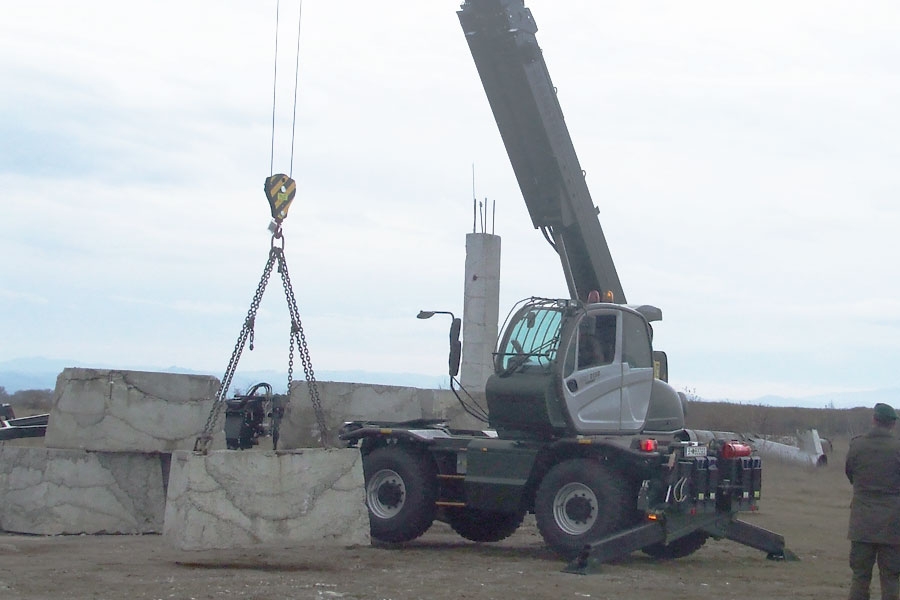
(401,491)
(483,525)
(579,502)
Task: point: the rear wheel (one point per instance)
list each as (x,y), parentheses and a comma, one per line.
(680,548)
(578,502)
(483,525)
(401,491)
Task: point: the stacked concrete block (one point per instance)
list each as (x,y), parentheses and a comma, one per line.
(47,491)
(129,411)
(343,402)
(236,499)
(105,465)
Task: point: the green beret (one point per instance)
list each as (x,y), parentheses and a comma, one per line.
(885,413)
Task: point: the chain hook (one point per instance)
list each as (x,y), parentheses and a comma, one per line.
(277,234)
(250,325)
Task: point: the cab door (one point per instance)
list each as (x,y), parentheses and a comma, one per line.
(637,372)
(592,373)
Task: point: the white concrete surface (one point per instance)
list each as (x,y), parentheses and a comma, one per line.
(230,499)
(50,492)
(343,402)
(481,309)
(129,411)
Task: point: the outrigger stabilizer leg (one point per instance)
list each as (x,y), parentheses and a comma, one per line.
(655,532)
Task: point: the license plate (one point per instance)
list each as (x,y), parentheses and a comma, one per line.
(692,451)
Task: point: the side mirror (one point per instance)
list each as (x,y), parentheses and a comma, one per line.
(455,347)
(660,365)
(455,344)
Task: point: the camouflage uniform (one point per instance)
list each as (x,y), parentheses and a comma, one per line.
(873,467)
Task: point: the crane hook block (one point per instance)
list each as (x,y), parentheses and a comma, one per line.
(280,190)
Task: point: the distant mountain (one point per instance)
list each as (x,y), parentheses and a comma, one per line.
(40,373)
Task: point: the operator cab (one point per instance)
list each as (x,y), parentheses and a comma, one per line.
(567,368)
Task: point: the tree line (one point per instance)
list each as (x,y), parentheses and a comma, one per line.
(700,414)
(35,400)
(776,420)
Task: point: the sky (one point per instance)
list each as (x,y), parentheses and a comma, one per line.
(743,158)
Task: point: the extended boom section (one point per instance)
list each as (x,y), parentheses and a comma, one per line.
(501,37)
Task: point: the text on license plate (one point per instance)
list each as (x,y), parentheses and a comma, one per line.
(695,450)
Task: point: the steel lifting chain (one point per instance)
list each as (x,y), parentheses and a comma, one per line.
(205,438)
(276,254)
(299,337)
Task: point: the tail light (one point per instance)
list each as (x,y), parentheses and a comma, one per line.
(649,445)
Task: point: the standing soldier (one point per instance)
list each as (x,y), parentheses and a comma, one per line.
(873,467)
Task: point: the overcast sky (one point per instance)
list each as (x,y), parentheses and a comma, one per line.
(743,158)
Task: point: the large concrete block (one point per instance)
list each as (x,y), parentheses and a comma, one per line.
(343,402)
(230,499)
(49,492)
(129,411)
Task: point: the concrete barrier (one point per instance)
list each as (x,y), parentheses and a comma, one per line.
(229,499)
(343,402)
(129,411)
(50,492)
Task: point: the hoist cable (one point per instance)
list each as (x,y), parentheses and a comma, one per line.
(274,89)
(296,77)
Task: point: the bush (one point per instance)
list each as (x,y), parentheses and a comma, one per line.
(32,400)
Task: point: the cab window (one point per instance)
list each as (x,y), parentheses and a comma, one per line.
(536,336)
(636,350)
(594,345)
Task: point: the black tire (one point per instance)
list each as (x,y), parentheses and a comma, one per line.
(680,548)
(581,501)
(483,525)
(401,491)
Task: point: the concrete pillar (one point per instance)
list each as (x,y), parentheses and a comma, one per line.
(481,309)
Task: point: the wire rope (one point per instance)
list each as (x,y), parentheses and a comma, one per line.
(274,90)
(296,78)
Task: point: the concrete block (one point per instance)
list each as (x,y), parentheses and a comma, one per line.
(129,411)
(343,402)
(230,499)
(49,492)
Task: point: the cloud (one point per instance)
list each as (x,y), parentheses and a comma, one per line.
(742,158)
(25,297)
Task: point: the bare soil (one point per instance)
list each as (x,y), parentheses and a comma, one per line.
(808,506)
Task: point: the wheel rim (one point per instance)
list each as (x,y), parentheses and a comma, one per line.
(575,508)
(385,494)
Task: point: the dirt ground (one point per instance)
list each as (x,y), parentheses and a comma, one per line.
(808,506)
